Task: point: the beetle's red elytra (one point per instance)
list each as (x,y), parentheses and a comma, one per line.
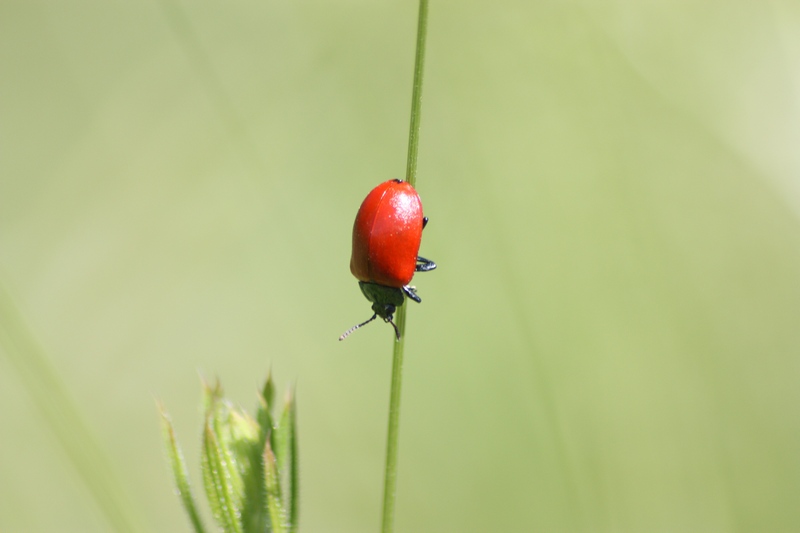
(386,239)
(387,234)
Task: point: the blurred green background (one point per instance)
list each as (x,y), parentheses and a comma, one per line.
(611,341)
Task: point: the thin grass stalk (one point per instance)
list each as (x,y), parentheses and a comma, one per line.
(63,417)
(390,477)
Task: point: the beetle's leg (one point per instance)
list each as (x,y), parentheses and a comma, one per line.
(424,222)
(411,292)
(396,331)
(424,265)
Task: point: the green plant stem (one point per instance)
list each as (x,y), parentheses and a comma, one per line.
(390,477)
(51,397)
(416,95)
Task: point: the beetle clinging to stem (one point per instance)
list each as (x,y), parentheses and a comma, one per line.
(386,238)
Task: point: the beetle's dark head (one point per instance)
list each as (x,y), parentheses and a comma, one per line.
(385,301)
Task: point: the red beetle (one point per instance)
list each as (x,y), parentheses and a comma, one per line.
(386,238)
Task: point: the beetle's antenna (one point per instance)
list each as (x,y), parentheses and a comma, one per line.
(351,330)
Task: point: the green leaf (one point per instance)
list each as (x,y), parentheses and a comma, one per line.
(240,470)
(272,482)
(264,417)
(240,444)
(179,470)
(268,392)
(244,446)
(211,393)
(285,439)
(220,478)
